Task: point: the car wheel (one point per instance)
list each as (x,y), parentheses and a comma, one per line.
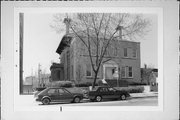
(77,99)
(123,97)
(46,101)
(98,98)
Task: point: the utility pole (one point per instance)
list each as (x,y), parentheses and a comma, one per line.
(39,75)
(32,76)
(21,38)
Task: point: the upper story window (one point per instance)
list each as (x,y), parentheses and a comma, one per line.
(134,53)
(125,52)
(93,51)
(115,51)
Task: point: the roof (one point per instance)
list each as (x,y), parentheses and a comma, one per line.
(65,42)
(67,39)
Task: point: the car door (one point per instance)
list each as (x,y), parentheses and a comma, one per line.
(113,93)
(104,92)
(53,93)
(64,95)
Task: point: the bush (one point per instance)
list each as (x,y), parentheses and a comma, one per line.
(136,83)
(85,84)
(61,84)
(132,89)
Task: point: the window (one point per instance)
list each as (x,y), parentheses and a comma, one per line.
(111,89)
(130,72)
(104,90)
(88,70)
(61,91)
(125,52)
(123,72)
(127,72)
(106,53)
(72,74)
(115,51)
(52,91)
(134,53)
(93,51)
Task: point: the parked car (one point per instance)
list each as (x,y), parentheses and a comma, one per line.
(38,90)
(58,94)
(106,92)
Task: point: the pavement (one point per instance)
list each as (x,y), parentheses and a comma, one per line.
(28,103)
(144,94)
(137,95)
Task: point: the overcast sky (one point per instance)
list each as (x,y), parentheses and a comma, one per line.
(41,42)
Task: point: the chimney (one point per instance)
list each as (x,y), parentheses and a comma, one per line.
(67,22)
(119,28)
(145,66)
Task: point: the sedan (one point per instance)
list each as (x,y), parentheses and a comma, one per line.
(101,93)
(58,94)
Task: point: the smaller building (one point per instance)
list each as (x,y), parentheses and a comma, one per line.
(57,72)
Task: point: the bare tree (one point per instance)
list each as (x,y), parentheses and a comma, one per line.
(100,32)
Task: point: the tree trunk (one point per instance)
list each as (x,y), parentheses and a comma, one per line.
(95,77)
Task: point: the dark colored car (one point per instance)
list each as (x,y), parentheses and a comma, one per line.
(101,93)
(38,90)
(58,94)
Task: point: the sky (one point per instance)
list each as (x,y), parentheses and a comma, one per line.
(41,42)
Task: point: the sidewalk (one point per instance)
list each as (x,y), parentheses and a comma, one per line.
(145,94)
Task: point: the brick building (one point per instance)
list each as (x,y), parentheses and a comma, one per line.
(124,64)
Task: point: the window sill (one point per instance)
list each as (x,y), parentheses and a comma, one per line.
(129,58)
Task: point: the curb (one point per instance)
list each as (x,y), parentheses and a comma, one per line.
(142,97)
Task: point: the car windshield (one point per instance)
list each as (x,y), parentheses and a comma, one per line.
(111,89)
(74,90)
(42,91)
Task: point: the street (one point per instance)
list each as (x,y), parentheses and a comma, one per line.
(151,101)
(28,103)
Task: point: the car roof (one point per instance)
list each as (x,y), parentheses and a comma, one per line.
(55,87)
(103,87)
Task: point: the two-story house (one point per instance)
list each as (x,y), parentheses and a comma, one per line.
(124,62)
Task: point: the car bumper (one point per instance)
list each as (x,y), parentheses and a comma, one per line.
(37,99)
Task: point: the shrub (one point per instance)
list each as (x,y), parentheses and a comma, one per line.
(85,84)
(61,84)
(136,83)
(132,89)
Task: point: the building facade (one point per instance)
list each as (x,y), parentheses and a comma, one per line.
(123,65)
(121,61)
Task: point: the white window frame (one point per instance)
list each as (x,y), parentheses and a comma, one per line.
(126,70)
(134,52)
